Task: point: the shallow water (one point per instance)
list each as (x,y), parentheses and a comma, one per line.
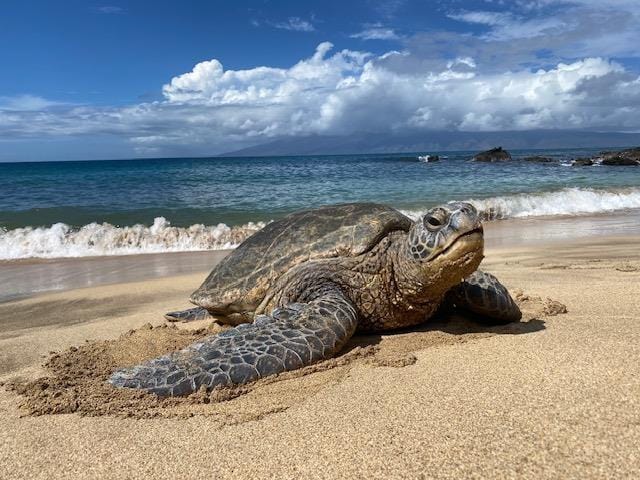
(143,206)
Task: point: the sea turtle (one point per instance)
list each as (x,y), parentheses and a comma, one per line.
(298,289)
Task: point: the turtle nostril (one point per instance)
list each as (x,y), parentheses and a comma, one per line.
(468,210)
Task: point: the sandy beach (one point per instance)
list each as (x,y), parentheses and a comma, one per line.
(555,396)
(356,196)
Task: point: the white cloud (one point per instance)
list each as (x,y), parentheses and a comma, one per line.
(296,24)
(354,91)
(215,110)
(506,26)
(482,17)
(376,33)
(26,103)
(568,28)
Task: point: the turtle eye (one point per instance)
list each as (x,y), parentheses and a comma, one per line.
(434,220)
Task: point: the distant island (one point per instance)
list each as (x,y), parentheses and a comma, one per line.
(436,142)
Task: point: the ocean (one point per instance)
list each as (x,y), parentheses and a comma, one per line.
(116,207)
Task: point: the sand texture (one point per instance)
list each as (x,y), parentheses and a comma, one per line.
(554,396)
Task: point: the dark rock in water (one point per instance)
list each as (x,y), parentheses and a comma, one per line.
(582,162)
(619,161)
(629,152)
(493,155)
(631,156)
(538,159)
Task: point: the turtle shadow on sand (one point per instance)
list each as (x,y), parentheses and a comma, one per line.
(466,324)
(396,347)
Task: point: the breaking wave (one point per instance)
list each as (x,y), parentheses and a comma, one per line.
(96,239)
(61,240)
(569,201)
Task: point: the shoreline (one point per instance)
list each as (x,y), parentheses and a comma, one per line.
(25,278)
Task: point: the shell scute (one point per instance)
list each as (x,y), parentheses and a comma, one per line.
(239,283)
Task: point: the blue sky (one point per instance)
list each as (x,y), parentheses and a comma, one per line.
(118,53)
(85,79)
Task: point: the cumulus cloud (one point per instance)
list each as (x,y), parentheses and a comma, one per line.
(355,91)
(524,68)
(349,91)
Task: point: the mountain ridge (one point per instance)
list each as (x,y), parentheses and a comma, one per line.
(436,142)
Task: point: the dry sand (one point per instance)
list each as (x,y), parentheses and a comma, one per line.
(556,396)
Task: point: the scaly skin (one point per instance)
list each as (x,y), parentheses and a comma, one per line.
(483,295)
(190,315)
(308,312)
(289,338)
(371,282)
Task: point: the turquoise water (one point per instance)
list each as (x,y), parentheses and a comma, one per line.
(234,191)
(68,209)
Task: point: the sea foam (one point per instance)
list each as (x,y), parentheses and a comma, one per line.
(97,239)
(61,240)
(569,201)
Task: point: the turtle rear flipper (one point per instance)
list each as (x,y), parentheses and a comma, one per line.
(190,315)
(483,295)
(290,338)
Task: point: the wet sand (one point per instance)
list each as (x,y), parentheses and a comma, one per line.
(25,278)
(557,396)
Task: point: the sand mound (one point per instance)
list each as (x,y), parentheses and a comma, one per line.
(538,306)
(77,377)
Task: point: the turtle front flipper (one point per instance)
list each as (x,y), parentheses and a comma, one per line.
(483,295)
(290,338)
(190,315)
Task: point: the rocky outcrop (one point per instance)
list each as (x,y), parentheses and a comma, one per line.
(493,155)
(629,157)
(582,162)
(617,160)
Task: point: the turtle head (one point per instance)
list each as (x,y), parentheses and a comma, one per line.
(444,245)
(450,229)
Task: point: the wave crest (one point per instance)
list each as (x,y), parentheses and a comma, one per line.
(61,240)
(97,239)
(569,201)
